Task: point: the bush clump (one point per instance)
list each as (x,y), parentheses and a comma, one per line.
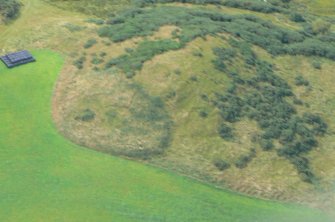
(90,43)
(245,159)
(86,115)
(225,131)
(79,63)
(9,9)
(301,81)
(221,164)
(296,17)
(317,65)
(96,21)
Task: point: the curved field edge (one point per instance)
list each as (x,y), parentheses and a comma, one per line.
(46,178)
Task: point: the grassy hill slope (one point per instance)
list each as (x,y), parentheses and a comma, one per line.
(175,83)
(172,62)
(45,177)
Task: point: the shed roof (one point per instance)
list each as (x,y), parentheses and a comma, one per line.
(17,58)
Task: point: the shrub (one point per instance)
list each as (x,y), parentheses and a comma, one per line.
(317,65)
(177,72)
(221,164)
(297,101)
(300,81)
(90,43)
(194,78)
(9,9)
(302,166)
(96,60)
(297,17)
(73,27)
(244,160)
(266,144)
(102,54)
(96,21)
(86,115)
(320,26)
(79,63)
(197,54)
(225,131)
(171,94)
(203,114)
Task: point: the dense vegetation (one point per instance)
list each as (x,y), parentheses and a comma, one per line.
(199,23)
(105,8)
(264,97)
(99,8)
(9,9)
(270,6)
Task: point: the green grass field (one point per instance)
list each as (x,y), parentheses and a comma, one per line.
(46,178)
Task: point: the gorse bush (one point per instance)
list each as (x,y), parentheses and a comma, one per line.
(9,9)
(90,43)
(86,115)
(96,60)
(296,17)
(96,21)
(79,63)
(221,164)
(317,65)
(74,28)
(300,81)
(225,131)
(243,160)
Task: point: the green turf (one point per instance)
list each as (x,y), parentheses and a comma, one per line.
(43,177)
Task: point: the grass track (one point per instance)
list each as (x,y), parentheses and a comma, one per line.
(46,178)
